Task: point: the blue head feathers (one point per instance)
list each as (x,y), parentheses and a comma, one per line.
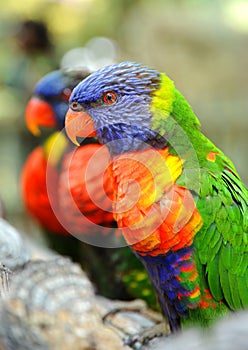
(118,99)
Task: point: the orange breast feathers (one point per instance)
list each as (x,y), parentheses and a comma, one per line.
(153,212)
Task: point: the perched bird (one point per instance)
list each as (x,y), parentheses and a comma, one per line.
(179,201)
(48,182)
(46,108)
(48,166)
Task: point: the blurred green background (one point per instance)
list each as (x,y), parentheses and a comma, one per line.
(201,45)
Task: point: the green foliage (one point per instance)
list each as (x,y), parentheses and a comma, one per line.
(134,276)
(139,286)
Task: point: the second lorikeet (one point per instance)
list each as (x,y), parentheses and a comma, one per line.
(59,214)
(46,108)
(179,201)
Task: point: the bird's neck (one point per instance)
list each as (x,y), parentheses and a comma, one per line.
(126,138)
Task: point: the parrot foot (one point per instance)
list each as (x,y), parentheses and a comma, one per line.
(138,340)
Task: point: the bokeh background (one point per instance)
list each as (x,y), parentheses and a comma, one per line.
(202,45)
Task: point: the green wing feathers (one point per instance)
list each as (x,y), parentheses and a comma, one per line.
(221,244)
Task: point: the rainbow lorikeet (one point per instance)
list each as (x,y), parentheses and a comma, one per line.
(179,201)
(46,108)
(55,194)
(48,165)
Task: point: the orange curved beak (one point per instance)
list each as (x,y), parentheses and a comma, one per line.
(39,113)
(79,124)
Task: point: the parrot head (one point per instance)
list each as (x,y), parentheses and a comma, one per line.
(115,103)
(49,103)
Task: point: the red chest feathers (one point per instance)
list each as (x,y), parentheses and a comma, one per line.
(154,213)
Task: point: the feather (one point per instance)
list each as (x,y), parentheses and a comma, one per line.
(242,289)
(213,279)
(233,283)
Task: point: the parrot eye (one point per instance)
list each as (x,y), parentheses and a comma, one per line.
(65,94)
(109,97)
(76,106)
